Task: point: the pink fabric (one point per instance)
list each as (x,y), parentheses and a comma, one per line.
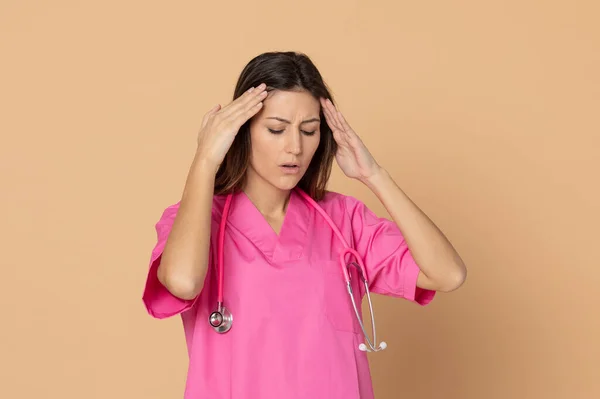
(294,332)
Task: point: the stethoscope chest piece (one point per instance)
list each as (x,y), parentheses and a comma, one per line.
(221,320)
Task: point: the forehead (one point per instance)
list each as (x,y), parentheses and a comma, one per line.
(291,104)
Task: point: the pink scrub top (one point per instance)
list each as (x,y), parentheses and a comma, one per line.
(294,332)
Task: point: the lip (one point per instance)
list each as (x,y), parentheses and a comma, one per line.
(290,170)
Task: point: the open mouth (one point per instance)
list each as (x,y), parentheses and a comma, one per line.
(290,167)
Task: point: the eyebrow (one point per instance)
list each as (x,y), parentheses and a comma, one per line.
(286,121)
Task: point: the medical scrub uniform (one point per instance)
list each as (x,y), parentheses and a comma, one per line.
(294,332)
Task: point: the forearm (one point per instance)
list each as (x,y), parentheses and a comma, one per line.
(185,258)
(442,269)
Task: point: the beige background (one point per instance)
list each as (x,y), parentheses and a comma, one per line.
(486,113)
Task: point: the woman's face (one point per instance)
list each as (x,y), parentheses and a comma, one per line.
(284,137)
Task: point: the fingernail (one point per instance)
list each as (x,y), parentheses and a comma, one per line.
(251,90)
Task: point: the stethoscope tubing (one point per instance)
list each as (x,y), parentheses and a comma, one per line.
(221,319)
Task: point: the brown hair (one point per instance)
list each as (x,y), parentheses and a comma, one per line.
(280,71)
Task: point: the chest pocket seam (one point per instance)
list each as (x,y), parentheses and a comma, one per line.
(338,306)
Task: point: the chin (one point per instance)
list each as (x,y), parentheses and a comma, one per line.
(286,184)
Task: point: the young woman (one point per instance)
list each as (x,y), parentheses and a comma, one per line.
(257,271)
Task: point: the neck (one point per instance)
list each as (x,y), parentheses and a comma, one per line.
(269,200)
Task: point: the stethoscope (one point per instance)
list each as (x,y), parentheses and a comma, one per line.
(222,319)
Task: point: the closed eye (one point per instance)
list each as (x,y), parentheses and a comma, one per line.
(281,131)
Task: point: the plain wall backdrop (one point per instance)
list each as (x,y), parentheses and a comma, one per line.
(485,113)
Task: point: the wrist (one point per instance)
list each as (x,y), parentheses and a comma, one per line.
(376,178)
(204,164)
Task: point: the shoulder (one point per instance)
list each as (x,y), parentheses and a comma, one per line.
(334,202)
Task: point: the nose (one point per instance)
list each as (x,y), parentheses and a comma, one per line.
(294,143)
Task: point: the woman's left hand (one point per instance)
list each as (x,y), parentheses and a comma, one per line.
(352,155)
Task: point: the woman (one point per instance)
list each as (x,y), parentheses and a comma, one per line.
(294,332)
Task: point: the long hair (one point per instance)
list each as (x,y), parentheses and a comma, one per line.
(279,71)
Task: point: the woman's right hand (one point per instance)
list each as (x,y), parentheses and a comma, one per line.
(220,126)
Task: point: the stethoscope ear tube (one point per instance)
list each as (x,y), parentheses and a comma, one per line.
(372,345)
(361,269)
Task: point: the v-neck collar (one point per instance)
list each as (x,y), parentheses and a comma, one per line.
(289,244)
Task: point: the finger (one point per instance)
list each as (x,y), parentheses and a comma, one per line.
(242,110)
(228,108)
(338,120)
(329,115)
(337,136)
(351,136)
(245,114)
(249,105)
(252,111)
(324,107)
(333,111)
(208,114)
(332,114)
(250,96)
(344,123)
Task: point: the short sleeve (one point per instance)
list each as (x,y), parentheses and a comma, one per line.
(159,302)
(391,268)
